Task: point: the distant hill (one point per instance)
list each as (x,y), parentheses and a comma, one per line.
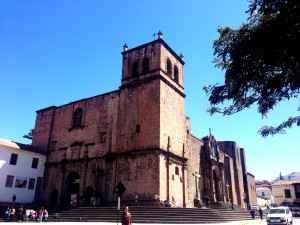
(291,176)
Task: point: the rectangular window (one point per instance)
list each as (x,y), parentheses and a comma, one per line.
(31,183)
(13,159)
(138,128)
(287,193)
(9,181)
(297,190)
(35,162)
(176,170)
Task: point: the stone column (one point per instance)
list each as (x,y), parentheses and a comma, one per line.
(222,183)
(212,193)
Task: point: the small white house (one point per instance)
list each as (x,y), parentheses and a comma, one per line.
(21,172)
(265,193)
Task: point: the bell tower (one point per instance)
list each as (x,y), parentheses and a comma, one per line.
(151,109)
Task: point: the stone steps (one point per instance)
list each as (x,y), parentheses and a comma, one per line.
(148,215)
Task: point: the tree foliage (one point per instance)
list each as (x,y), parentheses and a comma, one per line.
(29,135)
(261,61)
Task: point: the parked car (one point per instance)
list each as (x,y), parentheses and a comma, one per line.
(280,215)
(255,207)
(293,207)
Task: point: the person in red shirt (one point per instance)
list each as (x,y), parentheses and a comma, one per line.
(126,217)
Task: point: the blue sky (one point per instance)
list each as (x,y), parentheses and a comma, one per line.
(55,52)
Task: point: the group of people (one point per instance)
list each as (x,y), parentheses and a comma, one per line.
(160,203)
(28,214)
(260,211)
(165,203)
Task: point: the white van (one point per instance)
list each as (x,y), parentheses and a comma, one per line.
(279,215)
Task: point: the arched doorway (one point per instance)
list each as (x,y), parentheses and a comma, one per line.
(71,186)
(216,187)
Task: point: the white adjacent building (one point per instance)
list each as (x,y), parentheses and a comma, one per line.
(266,195)
(21,172)
(286,192)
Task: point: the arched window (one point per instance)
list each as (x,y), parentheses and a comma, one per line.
(77,117)
(213,149)
(146,65)
(169,67)
(135,69)
(176,78)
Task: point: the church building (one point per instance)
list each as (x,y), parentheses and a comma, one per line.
(138,135)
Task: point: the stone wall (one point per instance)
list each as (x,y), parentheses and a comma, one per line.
(251,189)
(233,150)
(194,149)
(172,134)
(139,116)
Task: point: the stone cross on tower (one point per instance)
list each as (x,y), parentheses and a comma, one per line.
(154,35)
(196,179)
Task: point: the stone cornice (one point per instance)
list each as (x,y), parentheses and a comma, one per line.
(130,153)
(152,78)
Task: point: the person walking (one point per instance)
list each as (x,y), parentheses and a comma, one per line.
(136,199)
(252,212)
(45,214)
(27,213)
(20,213)
(41,212)
(126,217)
(11,214)
(14,199)
(6,216)
(260,213)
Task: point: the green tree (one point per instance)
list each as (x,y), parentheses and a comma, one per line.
(29,135)
(280,177)
(261,62)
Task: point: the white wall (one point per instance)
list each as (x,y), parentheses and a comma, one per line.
(265,192)
(263,202)
(21,169)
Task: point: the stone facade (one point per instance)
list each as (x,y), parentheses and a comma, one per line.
(138,135)
(251,188)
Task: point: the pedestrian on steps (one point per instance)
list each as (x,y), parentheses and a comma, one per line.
(260,213)
(126,217)
(252,212)
(41,212)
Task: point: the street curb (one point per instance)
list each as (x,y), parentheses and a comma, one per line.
(251,222)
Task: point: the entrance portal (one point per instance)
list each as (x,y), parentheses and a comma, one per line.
(71,187)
